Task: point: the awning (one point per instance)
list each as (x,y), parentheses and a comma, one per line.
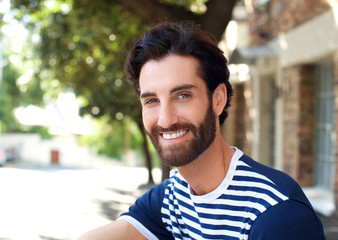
(248,55)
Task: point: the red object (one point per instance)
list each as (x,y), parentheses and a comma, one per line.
(54,157)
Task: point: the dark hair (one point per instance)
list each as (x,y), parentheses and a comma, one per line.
(184,39)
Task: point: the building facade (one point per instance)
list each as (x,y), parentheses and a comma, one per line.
(285,82)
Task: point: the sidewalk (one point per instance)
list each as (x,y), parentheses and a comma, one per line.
(36,199)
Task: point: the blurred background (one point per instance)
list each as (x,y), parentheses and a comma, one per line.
(72,147)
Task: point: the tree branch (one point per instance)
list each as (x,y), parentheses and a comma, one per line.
(156,11)
(217,16)
(214,20)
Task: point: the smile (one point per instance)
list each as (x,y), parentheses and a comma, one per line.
(174,135)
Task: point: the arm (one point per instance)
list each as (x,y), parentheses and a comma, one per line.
(119,230)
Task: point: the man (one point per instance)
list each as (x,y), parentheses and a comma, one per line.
(216,192)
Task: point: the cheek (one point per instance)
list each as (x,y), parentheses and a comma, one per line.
(149,119)
(193,113)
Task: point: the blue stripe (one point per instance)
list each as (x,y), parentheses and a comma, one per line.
(221,206)
(213,214)
(261,201)
(171,213)
(188,216)
(178,235)
(240,198)
(222,217)
(244,168)
(253,179)
(183,183)
(182,193)
(221,227)
(186,205)
(180,217)
(209,236)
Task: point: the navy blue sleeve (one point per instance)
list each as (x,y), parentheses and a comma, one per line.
(290,220)
(147,211)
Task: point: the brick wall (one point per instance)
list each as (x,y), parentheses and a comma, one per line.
(306,126)
(291,121)
(234,125)
(237,127)
(248,95)
(299,122)
(280,16)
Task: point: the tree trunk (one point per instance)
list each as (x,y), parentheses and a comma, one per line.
(165,171)
(155,10)
(217,16)
(146,154)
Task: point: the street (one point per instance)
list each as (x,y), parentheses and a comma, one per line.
(58,203)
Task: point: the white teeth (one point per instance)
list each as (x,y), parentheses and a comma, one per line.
(174,135)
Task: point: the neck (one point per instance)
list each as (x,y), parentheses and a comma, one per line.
(208,171)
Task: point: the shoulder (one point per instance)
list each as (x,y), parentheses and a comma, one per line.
(274,175)
(290,218)
(287,220)
(281,181)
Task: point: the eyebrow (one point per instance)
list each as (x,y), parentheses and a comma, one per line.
(176,89)
(147,94)
(183,87)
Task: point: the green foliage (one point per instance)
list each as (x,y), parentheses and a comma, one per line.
(42,131)
(113,138)
(197,6)
(83,46)
(8,93)
(11,97)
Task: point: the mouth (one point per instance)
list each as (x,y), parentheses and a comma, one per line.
(174,135)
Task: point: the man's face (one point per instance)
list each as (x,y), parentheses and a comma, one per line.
(177,112)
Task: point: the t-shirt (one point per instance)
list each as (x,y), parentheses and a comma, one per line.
(252,202)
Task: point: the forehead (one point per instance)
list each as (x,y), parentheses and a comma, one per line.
(169,72)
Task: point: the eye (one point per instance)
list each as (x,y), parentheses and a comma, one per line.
(150,101)
(184,96)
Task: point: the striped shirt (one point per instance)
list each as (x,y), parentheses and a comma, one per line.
(249,189)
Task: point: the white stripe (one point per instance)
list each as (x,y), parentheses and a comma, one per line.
(184,199)
(241,163)
(212,198)
(222,232)
(243,193)
(259,195)
(217,222)
(193,225)
(181,186)
(142,229)
(236,203)
(231,213)
(260,185)
(252,174)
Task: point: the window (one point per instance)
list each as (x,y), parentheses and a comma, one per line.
(325,128)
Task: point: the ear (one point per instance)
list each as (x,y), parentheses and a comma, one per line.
(219,99)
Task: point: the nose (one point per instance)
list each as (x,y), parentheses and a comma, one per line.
(167,116)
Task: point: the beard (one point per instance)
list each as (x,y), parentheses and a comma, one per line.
(180,154)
